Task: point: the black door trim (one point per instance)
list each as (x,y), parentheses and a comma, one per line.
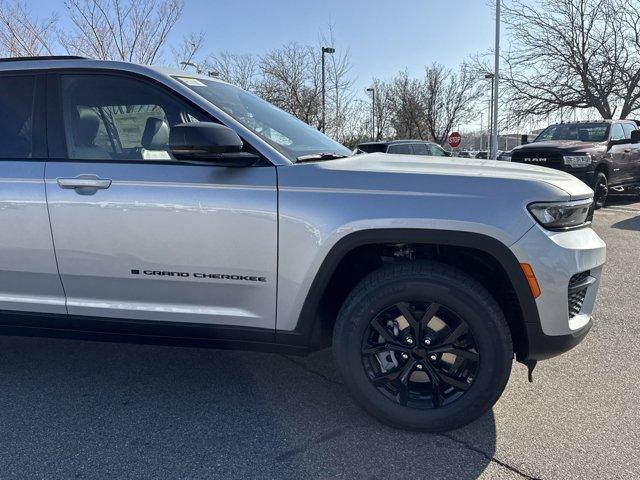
(13,323)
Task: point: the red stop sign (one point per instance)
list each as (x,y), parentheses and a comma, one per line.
(454,139)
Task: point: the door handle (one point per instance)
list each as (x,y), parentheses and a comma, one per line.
(84,181)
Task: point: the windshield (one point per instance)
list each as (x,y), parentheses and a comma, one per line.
(292,137)
(584,132)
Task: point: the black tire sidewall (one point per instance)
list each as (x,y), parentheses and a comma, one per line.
(485,323)
(599,203)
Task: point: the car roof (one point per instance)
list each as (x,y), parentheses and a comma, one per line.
(607,120)
(396,142)
(74,62)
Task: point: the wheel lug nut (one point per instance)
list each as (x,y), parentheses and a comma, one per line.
(433,357)
(419,366)
(427,341)
(404,356)
(410,341)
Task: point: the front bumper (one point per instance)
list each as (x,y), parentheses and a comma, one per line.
(587,177)
(555,258)
(543,346)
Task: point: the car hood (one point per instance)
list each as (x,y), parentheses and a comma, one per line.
(417,173)
(571,146)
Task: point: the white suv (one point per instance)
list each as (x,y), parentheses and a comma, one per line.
(139,204)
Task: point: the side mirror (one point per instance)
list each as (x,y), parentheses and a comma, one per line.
(208,143)
(524,139)
(635,136)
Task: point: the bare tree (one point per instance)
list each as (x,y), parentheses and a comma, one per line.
(22,34)
(628,61)
(126,30)
(407,103)
(568,53)
(450,99)
(291,80)
(241,70)
(188,48)
(358,128)
(381,111)
(340,96)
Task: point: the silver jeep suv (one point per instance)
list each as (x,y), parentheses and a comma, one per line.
(139,204)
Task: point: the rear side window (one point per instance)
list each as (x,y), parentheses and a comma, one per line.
(420,149)
(401,148)
(436,151)
(120,118)
(616,132)
(371,147)
(628,128)
(17,100)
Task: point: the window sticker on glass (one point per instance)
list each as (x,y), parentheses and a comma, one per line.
(192,82)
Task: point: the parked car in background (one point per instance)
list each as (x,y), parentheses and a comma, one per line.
(603,154)
(504,156)
(404,147)
(464,154)
(482,155)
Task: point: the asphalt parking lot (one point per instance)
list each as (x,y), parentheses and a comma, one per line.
(71,409)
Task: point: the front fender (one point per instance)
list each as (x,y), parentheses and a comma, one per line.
(304,321)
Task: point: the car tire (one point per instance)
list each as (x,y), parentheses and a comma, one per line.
(416,288)
(601,190)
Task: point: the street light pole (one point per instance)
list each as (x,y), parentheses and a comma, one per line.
(490,76)
(323,121)
(496,84)
(373,112)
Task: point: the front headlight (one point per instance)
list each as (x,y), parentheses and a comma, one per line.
(506,158)
(578,161)
(562,215)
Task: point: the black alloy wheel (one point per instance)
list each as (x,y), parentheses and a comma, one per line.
(422,345)
(420,354)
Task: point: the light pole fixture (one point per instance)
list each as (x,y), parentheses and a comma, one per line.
(492,77)
(372,90)
(496,84)
(191,64)
(323,121)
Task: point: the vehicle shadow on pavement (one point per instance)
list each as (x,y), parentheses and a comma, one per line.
(621,200)
(628,224)
(72,409)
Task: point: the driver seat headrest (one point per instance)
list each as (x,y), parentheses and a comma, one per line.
(87,125)
(155,135)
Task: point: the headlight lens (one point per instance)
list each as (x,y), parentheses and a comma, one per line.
(578,161)
(562,215)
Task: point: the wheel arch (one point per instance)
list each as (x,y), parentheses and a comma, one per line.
(310,327)
(603,167)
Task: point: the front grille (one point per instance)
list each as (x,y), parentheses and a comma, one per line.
(539,157)
(577,294)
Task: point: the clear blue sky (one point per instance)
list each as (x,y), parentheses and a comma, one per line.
(383,37)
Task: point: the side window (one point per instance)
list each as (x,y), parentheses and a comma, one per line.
(17,100)
(436,151)
(628,128)
(617,133)
(420,149)
(400,148)
(119,118)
